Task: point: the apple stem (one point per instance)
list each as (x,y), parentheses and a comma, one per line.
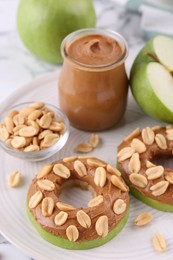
(152,56)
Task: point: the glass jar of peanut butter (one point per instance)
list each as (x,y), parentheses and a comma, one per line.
(93,84)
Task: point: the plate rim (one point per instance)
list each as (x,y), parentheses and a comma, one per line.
(38,80)
(25,248)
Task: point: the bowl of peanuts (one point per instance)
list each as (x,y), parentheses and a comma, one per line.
(33,131)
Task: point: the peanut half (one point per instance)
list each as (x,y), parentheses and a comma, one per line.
(138,145)
(143,219)
(47,206)
(61,170)
(161,141)
(154,172)
(44,171)
(83,219)
(80,168)
(95,201)
(61,218)
(94,140)
(119,206)
(35,199)
(148,136)
(134,163)
(46,185)
(113,170)
(72,233)
(125,153)
(64,206)
(14,179)
(159,243)
(100,177)
(138,180)
(159,188)
(101,226)
(86,147)
(118,183)
(93,162)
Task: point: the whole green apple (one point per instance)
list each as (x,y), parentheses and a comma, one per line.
(151,78)
(43,24)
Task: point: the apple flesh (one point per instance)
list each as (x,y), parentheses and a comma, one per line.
(43,24)
(151,79)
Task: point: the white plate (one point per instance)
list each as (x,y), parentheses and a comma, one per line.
(132,243)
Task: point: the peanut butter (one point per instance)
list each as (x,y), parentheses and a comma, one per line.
(94,49)
(109,192)
(93,84)
(153,152)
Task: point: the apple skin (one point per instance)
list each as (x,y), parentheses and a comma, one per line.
(43,24)
(141,87)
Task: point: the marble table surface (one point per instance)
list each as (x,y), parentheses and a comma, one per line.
(18,66)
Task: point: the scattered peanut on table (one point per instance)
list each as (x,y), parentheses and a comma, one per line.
(86,147)
(159,242)
(143,219)
(14,179)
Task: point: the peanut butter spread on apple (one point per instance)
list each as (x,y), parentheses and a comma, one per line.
(110,202)
(135,159)
(95,49)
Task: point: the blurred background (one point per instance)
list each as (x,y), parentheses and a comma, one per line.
(136,20)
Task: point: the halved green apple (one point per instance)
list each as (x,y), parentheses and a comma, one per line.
(151,78)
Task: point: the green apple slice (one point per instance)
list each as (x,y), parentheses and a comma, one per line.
(161,83)
(151,202)
(152,88)
(67,244)
(163,47)
(145,199)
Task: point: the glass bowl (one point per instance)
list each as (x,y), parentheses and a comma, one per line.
(44,153)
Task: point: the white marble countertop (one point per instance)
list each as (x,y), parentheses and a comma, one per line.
(18,66)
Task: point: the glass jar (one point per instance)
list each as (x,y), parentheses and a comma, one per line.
(93,96)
